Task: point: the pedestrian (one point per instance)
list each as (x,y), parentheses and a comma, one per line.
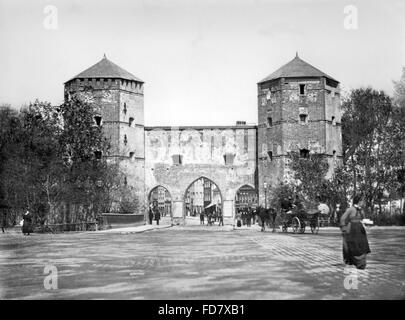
(254,216)
(262,216)
(355,243)
(249,218)
(220,217)
(27,224)
(202,218)
(157,215)
(209,215)
(239,219)
(150,214)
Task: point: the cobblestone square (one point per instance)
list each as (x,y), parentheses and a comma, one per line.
(194,262)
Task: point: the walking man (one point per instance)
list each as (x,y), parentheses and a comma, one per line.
(150,214)
(202,217)
(157,215)
(263,216)
(220,217)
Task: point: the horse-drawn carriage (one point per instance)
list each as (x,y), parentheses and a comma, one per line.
(299,218)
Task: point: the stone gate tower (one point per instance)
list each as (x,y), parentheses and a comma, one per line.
(298,110)
(118,96)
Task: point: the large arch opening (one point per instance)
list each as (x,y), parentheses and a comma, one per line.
(202,195)
(246,198)
(160,197)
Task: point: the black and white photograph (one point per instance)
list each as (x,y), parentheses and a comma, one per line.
(212,151)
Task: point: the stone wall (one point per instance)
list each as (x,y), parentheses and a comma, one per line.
(202,150)
(117,101)
(282,101)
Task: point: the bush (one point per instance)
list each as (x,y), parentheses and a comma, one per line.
(129,201)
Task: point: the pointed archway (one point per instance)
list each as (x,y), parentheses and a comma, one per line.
(246,197)
(201,194)
(159,196)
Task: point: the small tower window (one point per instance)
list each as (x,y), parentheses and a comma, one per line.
(228,158)
(177,159)
(303,118)
(269,121)
(302,88)
(334,154)
(304,153)
(131,155)
(333,121)
(125,107)
(98,154)
(130,121)
(125,181)
(268,95)
(125,139)
(270,154)
(98,120)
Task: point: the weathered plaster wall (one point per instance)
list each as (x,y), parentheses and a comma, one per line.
(202,151)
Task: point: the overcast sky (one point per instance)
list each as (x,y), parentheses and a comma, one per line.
(200,60)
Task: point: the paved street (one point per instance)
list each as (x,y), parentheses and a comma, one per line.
(193,262)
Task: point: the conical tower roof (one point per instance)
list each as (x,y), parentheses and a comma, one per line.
(296,68)
(106,69)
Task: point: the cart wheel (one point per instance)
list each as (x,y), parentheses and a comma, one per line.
(315,226)
(295,224)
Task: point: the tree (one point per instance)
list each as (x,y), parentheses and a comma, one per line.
(52,162)
(399,133)
(369,150)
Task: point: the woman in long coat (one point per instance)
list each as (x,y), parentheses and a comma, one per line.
(27,224)
(355,243)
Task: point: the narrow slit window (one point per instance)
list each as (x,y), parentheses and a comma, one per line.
(125,107)
(333,121)
(303,118)
(228,158)
(98,120)
(177,159)
(270,121)
(302,88)
(125,139)
(270,154)
(131,120)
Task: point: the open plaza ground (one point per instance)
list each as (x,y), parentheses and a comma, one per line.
(199,262)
